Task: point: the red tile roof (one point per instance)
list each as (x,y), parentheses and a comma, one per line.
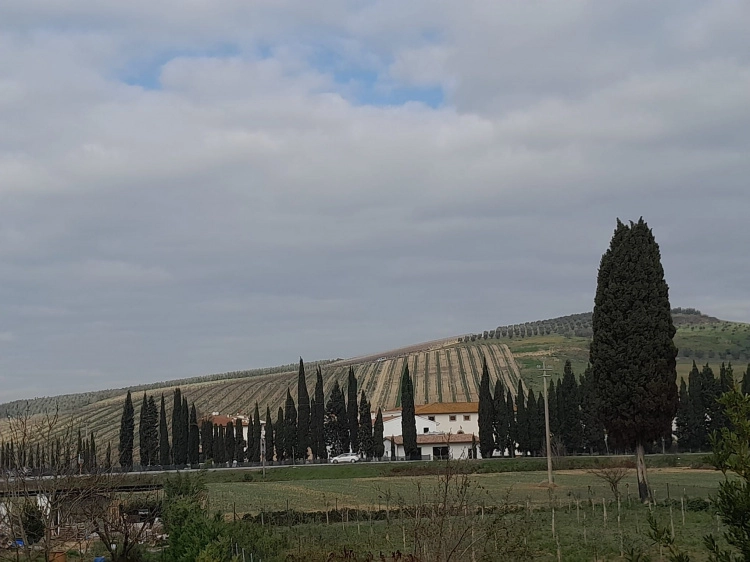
(448,408)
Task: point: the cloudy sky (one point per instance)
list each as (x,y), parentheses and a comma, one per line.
(196,187)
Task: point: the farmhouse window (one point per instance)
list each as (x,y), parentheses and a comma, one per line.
(467,418)
(452,418)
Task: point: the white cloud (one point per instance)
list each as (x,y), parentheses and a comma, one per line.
(246,177)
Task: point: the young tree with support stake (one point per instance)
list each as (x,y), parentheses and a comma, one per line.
(632,353)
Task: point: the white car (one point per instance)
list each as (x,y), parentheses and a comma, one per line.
(346,457)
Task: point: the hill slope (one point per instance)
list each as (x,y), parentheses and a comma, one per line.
(443,370)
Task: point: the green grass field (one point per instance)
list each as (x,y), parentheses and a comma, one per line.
(579,501)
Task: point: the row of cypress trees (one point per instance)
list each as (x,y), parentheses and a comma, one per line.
(699,414)
(308,428)
(513,420)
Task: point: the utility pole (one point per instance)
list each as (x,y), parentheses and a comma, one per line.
(545,375)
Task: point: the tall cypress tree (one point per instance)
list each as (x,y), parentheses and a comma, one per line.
(522,421)
(185,420)
(152,431)
(336,425)
(194,441)
(290,429)
(364,430)
(351,411)
(143,448)
(569,411)
(535,433)
(207,440)
(127,429)
(220,446)
(593,430)
(746,381)
(257,429)
(230,442)
(500,423)
(633,356)
(319,414)
(177,445)
(378,446)
(486,414)
(239,439)
(512,438)
(697,411)
(279,436)
(164,450)
(269,436)
(251,444)
(303,413)
(683,418)
(408,418)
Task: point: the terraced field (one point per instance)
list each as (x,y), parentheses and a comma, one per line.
(446,372)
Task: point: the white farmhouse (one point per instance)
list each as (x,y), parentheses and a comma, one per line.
(435,446)
(456,418)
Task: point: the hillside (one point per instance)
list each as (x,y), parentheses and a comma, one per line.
(443,370)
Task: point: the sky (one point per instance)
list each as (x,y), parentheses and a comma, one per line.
(197,187)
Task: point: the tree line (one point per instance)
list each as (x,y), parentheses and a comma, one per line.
(512,420)
(311,427)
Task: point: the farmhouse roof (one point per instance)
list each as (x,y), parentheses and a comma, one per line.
(447,408)
(436,438)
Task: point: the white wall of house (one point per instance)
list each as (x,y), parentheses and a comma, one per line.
(461,422)
(455,450)
(392,427)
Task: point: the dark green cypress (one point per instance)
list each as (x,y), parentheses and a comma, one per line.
(746,381)
(364,430)
(532,417)
(351,411)
(143,448)
(336,425)
(408,418)
(185,420)
(269,436)
(194,440)
(107,457)
(698,433)
(279,436)
(207,440)
(290,427)
(164,449)
(522,421)
(378,446)
(486,414)
(127,429)
(633,356)
(257,429)
(500,424)
(319,414)
(512,439)
(177,445)
(251,445)
(240,443)
(93,461)
(230,442)
(220,445)
(152,432)
(569,411)
(303,413)
(593,430)
(683,418)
